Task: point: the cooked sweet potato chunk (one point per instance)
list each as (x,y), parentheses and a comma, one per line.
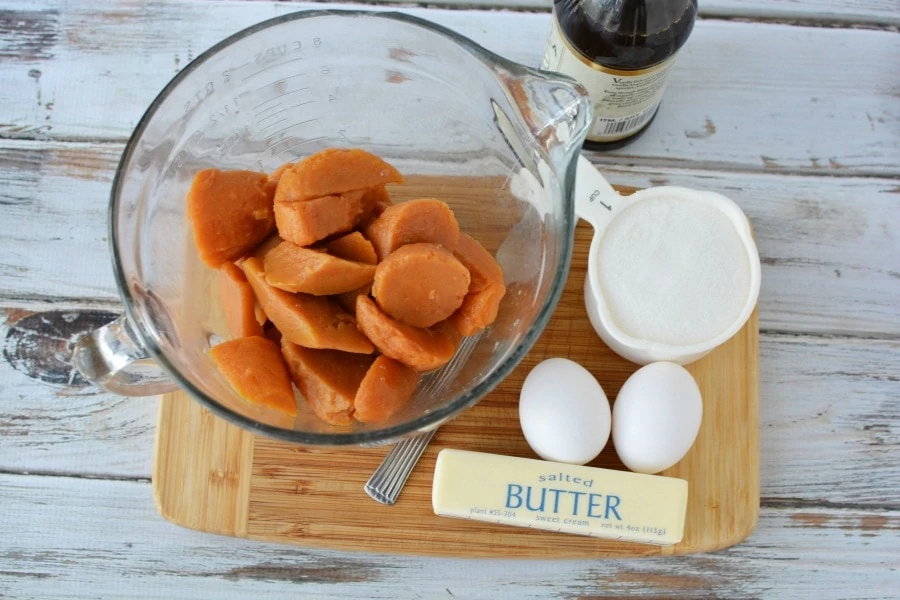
(272,332)
(421,349)
(272,183)
(275,177)
(375,201)
(334,171)
(482,266)
(339,239)
(261,317)
(478,310)
(386,388)
(242,314)
(295,269)
(268,244)
(426,220)
(328,379)
(347,300)
(305,223)
(352,246)
(231,212)
(378,199)
(420,284)
(448,329)
(255,369)
(310,321)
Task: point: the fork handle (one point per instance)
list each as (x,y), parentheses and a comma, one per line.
(388,479)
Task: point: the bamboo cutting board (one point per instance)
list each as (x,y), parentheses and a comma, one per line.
(215,477)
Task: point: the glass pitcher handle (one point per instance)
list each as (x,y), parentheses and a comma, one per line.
(112,358)
(556,109)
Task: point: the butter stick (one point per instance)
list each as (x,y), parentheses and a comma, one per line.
(523,492)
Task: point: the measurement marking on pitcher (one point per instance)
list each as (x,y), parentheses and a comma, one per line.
(288,127)
(283,79)
(309,141)
(226,74)
(271,145)
(281,120)
(277,97)
(259,115)
(264,69)
(278,112)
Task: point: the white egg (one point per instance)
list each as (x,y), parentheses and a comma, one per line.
(564,412)
(656,417)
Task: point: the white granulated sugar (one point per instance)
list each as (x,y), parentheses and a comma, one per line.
(673,271)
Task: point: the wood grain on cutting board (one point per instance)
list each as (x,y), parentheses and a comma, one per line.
(212,476)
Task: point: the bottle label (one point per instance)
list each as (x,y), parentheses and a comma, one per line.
(624,101)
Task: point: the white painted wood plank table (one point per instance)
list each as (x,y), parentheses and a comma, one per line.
(790,108)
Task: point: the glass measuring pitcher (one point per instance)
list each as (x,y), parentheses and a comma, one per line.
(493,139)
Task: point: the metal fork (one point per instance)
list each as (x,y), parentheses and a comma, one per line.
(389,478)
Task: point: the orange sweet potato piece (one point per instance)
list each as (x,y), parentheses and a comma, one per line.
(328,379)
(420,284)
(426,220)
(295,269)
(231,212)
(353,246)
(268,244)
(261,317)
(378,199)
(272,333)
(272,184)
(347,300)
(448,328)
(311,321)
(239,303)
(421,349)
(482,266)
(254,368)
(375,201)
(334,171)
(386,388)
(305,223)
(478,309)
(275,177)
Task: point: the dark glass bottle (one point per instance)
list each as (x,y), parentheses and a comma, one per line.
(622,52)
